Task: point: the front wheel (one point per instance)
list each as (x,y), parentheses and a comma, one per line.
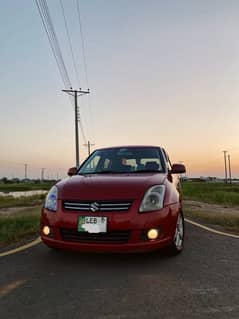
(177,245)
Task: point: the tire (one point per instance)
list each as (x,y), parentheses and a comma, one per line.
(178,242)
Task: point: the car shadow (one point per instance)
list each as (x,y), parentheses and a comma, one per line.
(112,259)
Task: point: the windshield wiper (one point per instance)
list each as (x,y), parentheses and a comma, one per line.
(109,172)
(147,171)
(121,172)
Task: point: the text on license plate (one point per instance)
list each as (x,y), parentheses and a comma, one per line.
(92,224)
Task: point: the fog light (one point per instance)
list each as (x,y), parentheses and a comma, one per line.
(46,230)
(152,234)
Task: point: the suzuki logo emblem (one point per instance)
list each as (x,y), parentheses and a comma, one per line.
(94,207)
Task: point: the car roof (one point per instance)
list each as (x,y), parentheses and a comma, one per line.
(128,146)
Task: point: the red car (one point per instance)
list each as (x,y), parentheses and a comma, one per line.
(121,199)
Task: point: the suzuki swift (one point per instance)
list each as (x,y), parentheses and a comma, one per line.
(121,199)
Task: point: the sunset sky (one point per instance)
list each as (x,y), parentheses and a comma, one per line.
(160,73)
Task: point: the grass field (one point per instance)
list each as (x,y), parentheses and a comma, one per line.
(10,201)
(16,228)
(215,193)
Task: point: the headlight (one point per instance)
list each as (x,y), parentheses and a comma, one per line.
(153,199)
(51,199)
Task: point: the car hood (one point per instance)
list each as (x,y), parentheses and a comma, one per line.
(108,186)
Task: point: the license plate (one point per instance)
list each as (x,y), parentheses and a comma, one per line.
(92,224)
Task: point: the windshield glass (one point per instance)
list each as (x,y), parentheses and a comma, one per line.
(124,160)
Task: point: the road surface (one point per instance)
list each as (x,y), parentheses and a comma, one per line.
(202,282)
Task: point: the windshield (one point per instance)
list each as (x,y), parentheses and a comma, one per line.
(124,160)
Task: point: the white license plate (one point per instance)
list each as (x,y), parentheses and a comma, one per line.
(92,224)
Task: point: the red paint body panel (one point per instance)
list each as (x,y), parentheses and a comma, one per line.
(108,186)
(115,187)
(165,220)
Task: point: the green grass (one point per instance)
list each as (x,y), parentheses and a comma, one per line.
(16,228)
(227,222)
(215,193)
(25,187)
(10,201)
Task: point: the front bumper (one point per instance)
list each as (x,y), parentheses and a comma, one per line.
(137,224)
(113,248)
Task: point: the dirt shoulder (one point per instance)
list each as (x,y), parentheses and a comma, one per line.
(214,216)
(210,208)
(16,211)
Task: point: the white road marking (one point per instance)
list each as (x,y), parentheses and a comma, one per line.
(13,251)
(210,229)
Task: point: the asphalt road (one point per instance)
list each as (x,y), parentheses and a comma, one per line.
(203,282)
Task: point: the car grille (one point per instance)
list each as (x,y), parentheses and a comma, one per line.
(117,237)
(100,206)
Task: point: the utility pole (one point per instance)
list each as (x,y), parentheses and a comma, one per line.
(76,93)
(89,145)
(225,163)
(25,169)
(42,173)
(229,168)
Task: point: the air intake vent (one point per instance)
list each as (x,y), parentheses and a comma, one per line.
(117,237)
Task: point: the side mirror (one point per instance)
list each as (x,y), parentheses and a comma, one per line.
(178,169)
(72,171)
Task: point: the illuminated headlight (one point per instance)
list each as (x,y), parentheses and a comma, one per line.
(51,199)
(153,199)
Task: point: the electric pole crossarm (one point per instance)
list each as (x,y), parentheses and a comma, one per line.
(79,92)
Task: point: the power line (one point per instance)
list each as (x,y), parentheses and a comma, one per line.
(70,44)
(82,42)
(41,13)
(91,117)
(53,40)
(88,145)
(54,43)
(82,131)
(84,62)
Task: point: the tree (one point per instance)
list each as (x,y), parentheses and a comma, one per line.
(4,180)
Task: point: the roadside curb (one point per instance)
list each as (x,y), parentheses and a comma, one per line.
(211,229)
(21,248)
